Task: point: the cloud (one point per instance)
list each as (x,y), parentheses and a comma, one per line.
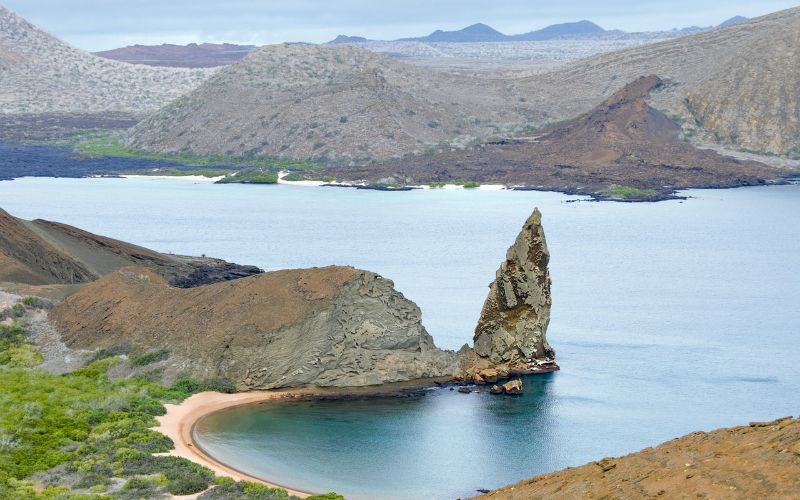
(102,24)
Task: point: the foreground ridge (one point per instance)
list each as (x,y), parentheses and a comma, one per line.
(761,460)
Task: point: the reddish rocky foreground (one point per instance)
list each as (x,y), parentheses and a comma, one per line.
(761,461)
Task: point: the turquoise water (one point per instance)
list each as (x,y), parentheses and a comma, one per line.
(667,318)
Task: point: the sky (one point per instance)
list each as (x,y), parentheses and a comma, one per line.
(105,24)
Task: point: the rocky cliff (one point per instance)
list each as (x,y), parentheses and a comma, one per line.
(510,336)
(334,326)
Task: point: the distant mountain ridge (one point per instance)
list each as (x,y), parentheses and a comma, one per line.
(480,32)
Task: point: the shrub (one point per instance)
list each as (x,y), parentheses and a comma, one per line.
(36,302)
(150,357)
(109,353)
(471,185)
(231,490)
(184,477)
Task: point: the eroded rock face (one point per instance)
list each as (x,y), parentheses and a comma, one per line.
(510,336)
(327,327)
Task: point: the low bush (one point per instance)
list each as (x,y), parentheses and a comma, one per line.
(36,302)
(150,357)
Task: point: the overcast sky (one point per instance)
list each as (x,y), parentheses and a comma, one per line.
(105,24)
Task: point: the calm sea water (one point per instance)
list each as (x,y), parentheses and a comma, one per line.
(667,318)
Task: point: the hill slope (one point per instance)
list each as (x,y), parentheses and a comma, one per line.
(329,101)
(622,141)
(41,74)
(41,252)
(732,85)
(741,80)
(756,461)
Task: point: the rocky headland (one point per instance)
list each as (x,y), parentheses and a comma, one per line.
(321,327)
(325,327)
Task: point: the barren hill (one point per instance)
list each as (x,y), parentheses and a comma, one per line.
(761,460)
(741,82)
(41,252)
(333,326)
(204,55)
(41,74)
(331,101)
(736,84)
(622,141)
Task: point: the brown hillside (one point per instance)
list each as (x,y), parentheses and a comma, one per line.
(623,141)
(329,101)
(735,84)
(761,460)
(41,252)
(741,80)
(334,326)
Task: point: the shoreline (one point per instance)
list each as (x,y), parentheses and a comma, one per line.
(181,419)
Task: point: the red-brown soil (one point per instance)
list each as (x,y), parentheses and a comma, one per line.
(759,461)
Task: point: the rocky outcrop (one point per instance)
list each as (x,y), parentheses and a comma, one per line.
(760,460)
(327,327)
(510,336)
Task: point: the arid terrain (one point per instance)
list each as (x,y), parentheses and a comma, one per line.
(41,74)
(623,141)
(349,105)
(41,252)
(334,102)
(756,461)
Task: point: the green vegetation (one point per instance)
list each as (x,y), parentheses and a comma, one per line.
(36,302)
(250,176)
(437,185)
(471,185)
(615,191)
(87,435)
(102,143)
(228,489)
(150,357)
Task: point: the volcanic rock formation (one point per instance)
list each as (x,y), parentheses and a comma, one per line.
(622,141)
(333,326)
(510,336)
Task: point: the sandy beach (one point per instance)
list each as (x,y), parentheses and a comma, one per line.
(179,421)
